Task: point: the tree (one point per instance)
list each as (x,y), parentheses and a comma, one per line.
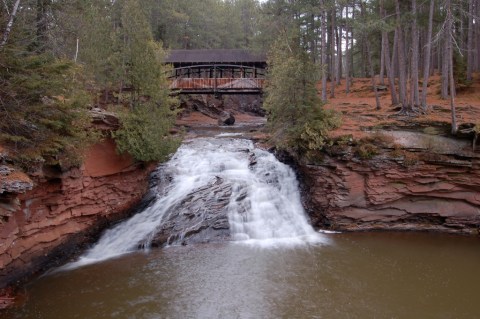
(347,51)
(389,64)
(145,129)
(324,53)
(470,40)
(295,114)
(43,110)
(402,81)
(449,46)
(427,55)
(414,94)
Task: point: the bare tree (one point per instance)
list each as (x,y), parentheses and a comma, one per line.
(9,27)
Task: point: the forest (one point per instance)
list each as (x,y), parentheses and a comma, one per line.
(59,59)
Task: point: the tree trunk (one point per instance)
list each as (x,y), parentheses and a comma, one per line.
(477,28)
(415,101)
(332,52)
(449,29)
(390,73)
(42,24)
(428,49)
(382,50)
(8,29)
(445,65)
(387,62)
(324,53)
(402,80)
(313,39)
(394,62)
(352,41)
(382,62)
(347,55)
(339,52)
(372,75)
(470,41)
(363,64)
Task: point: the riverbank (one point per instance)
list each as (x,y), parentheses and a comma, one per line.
(61,212)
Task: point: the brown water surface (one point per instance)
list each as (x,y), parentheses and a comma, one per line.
(368,275)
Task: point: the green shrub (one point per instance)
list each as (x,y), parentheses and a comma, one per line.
(296,117)
(145,133)
(366,151)
(379,138)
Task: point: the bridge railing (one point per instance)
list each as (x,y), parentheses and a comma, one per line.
(218,84)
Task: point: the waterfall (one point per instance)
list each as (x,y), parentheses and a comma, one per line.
(264,206)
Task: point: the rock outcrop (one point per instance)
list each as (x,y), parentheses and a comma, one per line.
(201,217)
(65,210)
(409,190)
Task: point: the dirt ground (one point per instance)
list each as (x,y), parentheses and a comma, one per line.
(359,111)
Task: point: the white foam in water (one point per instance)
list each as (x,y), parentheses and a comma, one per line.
(228,134)
(264,210)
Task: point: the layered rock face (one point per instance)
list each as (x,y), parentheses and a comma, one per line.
(435,192)
(66,209)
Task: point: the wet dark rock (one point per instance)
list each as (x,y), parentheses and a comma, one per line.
(199,218)
(252,159)
(226,118)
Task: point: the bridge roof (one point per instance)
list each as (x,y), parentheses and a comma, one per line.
(215,56)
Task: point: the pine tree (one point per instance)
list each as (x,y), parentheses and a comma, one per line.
(295,114)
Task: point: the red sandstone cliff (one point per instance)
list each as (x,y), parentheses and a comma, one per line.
(418,189)
(63,210)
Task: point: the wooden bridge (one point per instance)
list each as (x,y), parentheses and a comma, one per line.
(217,71)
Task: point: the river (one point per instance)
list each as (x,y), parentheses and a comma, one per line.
(364,275)
(272,264)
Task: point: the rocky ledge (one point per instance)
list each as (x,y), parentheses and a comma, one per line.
(44,221)
(434,186)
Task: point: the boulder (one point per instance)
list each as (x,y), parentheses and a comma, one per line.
(226,118)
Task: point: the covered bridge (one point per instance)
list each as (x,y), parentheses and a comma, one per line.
(217,71)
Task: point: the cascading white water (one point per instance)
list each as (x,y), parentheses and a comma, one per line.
(264,206)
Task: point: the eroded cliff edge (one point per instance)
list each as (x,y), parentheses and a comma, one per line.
(416,183)
(48,218)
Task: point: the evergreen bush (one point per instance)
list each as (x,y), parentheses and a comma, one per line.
(43,109)
(296,117)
